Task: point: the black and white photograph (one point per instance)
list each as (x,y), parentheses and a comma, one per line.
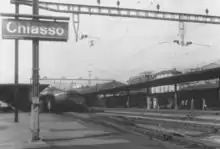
(103,74)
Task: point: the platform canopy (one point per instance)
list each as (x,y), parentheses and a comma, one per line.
(181,78)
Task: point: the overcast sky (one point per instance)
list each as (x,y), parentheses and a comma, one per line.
(125,46)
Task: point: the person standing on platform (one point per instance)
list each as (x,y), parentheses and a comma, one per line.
(128,104)
(182,103)
(191,115)
(204,106)
(158,105)
(192,103)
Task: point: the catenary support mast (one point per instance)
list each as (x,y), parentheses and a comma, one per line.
(35,87)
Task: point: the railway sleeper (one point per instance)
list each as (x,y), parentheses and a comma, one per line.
(178,132)
(186,141)
(199,127)
(175,138)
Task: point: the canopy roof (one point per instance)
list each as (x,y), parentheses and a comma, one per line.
(180,78)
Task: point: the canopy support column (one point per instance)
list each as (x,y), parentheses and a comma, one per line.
(175,97)
(105,101)
(218,91)
(148,98)
(128,100)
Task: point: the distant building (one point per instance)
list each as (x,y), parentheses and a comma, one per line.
(24,95)
(149,75)
(167,73)
(141,77)
(102,86)
(211,65)
(205,67)
(165,88)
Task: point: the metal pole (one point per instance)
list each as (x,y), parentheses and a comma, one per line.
(35,82)
(128,100)
(146,99)
(175,97)
(16,71)
(218,90)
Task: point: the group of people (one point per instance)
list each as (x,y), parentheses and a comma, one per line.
(190,103)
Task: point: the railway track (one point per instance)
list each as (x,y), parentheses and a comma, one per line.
(190,121)
(176,116)
(184,134)
(170,135)
(156,131)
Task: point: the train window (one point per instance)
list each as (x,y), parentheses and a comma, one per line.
(158,89)
(153,90)
(166,88)
(169,88)
(178,87)
(72,94)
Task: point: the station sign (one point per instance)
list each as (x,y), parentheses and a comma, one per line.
(34,29)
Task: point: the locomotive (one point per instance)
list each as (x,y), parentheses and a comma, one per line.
(57,101)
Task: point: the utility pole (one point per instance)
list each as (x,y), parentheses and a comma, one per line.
(16,71)
(35,84)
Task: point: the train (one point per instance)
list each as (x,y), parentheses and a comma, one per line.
(55,100)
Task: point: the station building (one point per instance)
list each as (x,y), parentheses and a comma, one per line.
(197,90)
(23,102)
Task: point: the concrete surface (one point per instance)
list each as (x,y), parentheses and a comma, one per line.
(66,132)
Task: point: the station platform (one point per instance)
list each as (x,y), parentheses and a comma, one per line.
(55,130)
(64,131)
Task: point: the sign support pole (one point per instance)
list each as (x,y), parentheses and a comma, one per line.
(35,85)
(16,71)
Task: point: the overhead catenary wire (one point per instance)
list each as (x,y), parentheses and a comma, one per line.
(127,29)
